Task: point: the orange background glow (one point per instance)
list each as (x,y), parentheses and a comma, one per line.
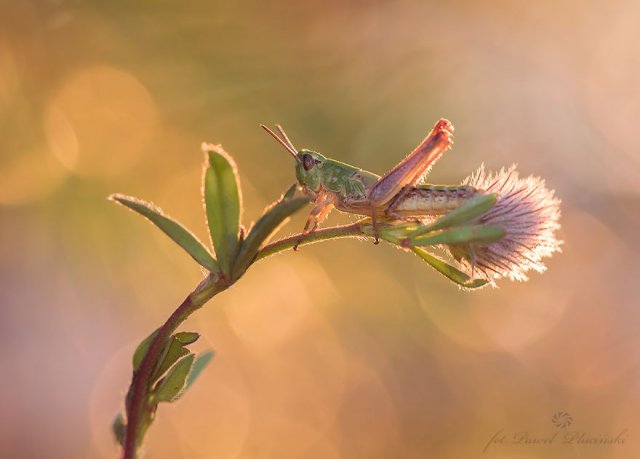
(344,349)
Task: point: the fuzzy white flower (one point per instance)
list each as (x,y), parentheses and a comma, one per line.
(527,211)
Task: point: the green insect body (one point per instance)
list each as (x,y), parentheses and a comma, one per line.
(397,195)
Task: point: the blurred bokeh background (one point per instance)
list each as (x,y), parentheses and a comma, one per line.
(344,349)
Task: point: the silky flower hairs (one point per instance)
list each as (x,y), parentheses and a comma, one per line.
(528,212)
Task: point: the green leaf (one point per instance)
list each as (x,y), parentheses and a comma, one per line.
(170,387)
(461,235)
(141,350)
(119,428)
(290,192)
(174,351)
(449,271)
(171,228)
(223,201)
(198,365)
(466,212)
(187,338)
(263,229)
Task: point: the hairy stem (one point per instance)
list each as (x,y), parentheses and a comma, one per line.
(334,232)
(136,405)
(137,409)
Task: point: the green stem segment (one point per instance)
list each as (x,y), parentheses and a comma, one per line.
(354,230)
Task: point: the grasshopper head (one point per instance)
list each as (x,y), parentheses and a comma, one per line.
(309,170)
(307,161)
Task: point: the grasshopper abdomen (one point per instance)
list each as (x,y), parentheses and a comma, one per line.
(426,200)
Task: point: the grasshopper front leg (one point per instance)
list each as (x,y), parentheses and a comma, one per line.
(323,204)
(410,170)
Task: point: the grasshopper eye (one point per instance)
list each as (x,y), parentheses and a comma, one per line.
(308,162)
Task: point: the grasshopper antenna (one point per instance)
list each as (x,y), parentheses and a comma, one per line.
(285,137)
(286,143)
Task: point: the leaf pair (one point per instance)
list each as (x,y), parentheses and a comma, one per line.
(170,376)
(223,206)
(174,373)
(223,202)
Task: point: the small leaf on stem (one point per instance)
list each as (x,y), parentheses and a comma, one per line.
(198,365)
(187,338)
(142,349)
(169,388)
(449,271)
(119,427)
(460,235)
(171,228)
(174,351)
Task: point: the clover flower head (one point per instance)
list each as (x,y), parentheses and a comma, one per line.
(528,212)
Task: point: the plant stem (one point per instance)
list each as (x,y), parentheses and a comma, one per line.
(136,407)
(352,230)
(213,284)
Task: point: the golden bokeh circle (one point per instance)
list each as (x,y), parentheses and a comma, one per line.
(101,122)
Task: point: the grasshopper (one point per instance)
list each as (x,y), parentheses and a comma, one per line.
(397,195)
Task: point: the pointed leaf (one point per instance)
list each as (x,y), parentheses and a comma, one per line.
(174,351)
(461,235)
(170,387)
(223,202)
(263,229)
(187,338)
(449,271)
(141,350)
(198,365)
(171,228)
